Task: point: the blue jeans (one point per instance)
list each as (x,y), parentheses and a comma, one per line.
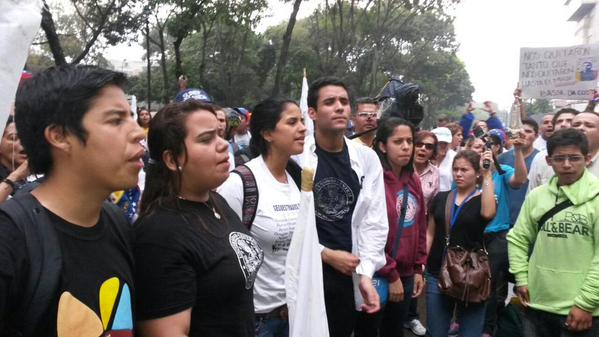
(388,322)
(272,327)
(439,311)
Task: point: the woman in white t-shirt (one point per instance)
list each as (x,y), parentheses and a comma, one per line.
(278,133)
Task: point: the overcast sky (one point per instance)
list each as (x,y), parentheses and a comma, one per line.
(490,33)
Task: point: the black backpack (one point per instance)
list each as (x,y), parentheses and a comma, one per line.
(45,259)
(250,190)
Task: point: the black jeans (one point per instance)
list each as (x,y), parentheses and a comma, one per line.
(413,314)
(496,245)
(538,323)
(388,322)
(339,302)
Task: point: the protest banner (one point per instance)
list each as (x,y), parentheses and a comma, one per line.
(559,72)
(19,22)
(304,106)
(303,267)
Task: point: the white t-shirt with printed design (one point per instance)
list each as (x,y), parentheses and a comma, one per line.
(273,226)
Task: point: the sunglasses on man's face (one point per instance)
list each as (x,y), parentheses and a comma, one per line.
(427,146)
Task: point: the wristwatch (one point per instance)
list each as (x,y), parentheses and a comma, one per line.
(13,185)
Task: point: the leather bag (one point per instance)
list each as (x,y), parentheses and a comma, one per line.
(465,274)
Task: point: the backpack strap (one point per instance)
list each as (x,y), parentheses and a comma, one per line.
(45,260)
(295,171)
(250,195)
(402,217)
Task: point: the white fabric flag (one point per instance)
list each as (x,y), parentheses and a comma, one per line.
(304,107)
(19,22)
(303,271)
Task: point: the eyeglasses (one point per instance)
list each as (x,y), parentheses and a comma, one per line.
(367,114)
(428,146)
(562,158)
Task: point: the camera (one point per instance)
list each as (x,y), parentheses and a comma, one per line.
(400,99)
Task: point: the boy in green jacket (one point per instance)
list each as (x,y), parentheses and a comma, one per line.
(559,285)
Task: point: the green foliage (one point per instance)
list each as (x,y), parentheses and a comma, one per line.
(538,107)
(215,43)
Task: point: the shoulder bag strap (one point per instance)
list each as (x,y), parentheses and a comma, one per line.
(250,195)
(402,216)
(448,206)
(549,214)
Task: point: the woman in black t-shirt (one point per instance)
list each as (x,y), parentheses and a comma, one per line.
(195,262)
(472,210)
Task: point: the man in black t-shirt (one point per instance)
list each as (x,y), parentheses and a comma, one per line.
(76,127)
(352,225)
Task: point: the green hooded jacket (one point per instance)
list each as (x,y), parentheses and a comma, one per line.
(564,267)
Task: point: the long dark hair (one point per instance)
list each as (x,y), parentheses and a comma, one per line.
(167,133)
(265,117)
(385,130)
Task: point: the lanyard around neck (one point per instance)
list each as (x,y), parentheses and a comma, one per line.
(454,212)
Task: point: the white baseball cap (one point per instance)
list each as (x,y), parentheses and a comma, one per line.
(443,134)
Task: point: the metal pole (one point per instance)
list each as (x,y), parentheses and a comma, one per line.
(149,65)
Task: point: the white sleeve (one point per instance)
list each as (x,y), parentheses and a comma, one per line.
(232,191)
(540,172)
(373,229)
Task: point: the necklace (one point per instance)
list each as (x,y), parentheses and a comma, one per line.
(208,205)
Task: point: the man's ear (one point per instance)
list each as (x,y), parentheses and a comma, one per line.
(169,161)
(588,159)
(57,137)
(312,113)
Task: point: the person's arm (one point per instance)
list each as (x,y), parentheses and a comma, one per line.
(430,231)
(488,207)
(592,102)
(342,261)
(466,120)
(372,231)
(421,251)
(518,100)
(374,227)
(176,325)
(421,223)
(19,174)
(519,239)
(588,296)
(520,176)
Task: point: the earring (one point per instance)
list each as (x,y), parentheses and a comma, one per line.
(179,168)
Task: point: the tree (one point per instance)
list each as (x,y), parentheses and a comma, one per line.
(285,47)
(538,106)
(106,21)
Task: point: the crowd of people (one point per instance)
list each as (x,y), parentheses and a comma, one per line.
(179,223)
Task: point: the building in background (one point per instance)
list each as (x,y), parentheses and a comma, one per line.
(585,14)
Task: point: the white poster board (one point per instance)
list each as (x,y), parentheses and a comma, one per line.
(19,22)
(559,72)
